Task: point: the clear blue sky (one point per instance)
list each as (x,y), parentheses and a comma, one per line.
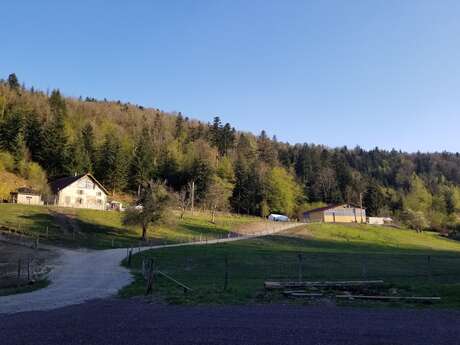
(369,73)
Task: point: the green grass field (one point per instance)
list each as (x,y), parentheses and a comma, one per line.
(416,264)
(101,229)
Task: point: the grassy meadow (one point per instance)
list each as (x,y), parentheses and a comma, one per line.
(415,264)
(102,229)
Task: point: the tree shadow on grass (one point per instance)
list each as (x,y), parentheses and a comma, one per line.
(210,230)
(89,235)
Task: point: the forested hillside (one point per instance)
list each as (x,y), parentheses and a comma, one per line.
(45,136)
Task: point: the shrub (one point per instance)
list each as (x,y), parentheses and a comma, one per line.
(6,161)
(37,177)
(415,220)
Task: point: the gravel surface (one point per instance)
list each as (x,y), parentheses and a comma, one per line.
(83,275)
(114,321)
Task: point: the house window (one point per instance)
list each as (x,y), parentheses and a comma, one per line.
(98,193)
(80,201)
(81,192)
(99,201)
(67,200)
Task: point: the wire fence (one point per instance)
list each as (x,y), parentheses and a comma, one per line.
(203,269)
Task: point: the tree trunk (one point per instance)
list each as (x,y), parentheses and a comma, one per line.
(192,196)
(213,215)
(144,232)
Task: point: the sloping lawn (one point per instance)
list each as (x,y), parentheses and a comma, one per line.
(415,264)
(104,229)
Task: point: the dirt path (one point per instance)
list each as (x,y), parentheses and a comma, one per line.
(82,275)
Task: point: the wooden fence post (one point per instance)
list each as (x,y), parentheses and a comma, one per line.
(151,277)
(226,272)
(28,269)
(364,267)
(130,255)
(143,267)
(429,266)
(19,269)
(299,257)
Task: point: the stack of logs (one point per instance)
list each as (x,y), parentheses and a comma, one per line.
(341,290)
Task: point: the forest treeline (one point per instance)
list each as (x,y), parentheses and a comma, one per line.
(46,136)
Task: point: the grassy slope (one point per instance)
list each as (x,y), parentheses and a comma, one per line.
(400,257)
(97,229)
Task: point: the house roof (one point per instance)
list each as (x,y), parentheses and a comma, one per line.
(26,190)
(331,206)
(63,182)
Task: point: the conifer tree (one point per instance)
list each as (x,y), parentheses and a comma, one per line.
(214,132)
(33,135)
(179,127)
(10,129)
(55,156)
(13,82)
(142,164)
(80,160)
(265,149)
(112,167)
(373,199)
(87,138)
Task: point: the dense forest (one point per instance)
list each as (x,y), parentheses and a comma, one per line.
(44,135)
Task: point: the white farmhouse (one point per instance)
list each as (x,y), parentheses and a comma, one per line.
(82,191)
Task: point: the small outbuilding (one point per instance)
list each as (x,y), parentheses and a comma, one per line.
(342,213)
(26,196)
(115,206)
(379,220)
(375,220)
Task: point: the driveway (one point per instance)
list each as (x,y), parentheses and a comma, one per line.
(82,275)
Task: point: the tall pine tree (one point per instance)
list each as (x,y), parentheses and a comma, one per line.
(142,163)
(55,156)
(112,167)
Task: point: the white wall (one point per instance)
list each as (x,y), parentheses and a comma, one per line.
(29,199)
(375,220)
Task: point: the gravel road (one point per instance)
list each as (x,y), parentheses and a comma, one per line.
(82,275)
(115,321)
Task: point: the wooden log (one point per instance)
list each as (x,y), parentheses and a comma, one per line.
(302,294)
(282,285)
(391,298)
(185,287)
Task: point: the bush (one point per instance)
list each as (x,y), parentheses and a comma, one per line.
(37,177)
(415,220)
(6,161)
